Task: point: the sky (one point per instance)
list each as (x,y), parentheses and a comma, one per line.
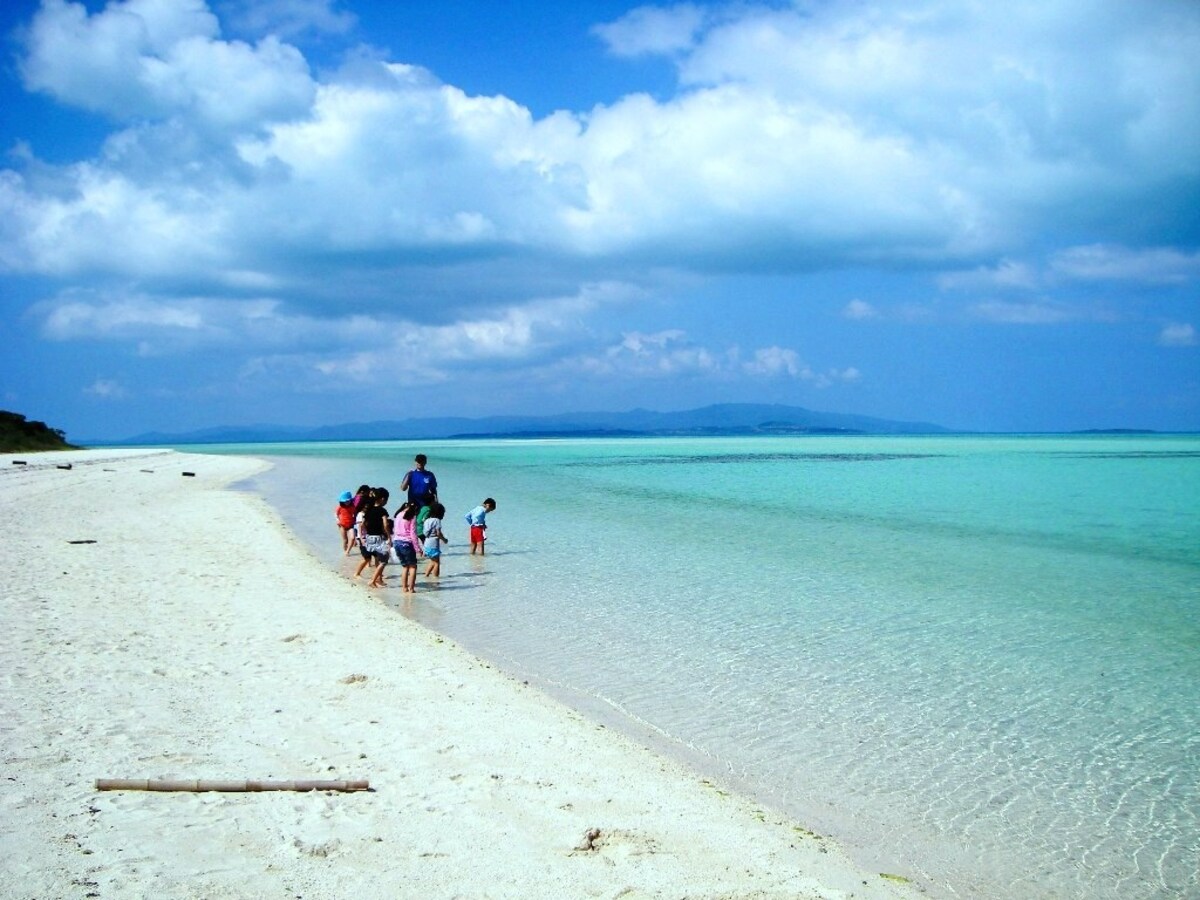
(312,212)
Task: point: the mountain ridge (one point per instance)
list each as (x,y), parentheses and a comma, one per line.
(717,419)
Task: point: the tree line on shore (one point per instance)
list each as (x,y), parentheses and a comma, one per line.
(18,434)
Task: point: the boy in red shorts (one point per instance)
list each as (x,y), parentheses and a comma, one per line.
(477,519)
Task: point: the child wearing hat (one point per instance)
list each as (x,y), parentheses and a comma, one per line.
(344,512)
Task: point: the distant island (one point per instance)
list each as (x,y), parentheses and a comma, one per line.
(18,435)
(729,419)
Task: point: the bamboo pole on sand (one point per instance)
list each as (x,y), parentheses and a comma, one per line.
(194,785)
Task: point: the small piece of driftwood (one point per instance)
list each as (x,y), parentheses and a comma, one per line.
(236,787)
(67,466)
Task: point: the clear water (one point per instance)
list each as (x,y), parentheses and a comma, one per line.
(972,660)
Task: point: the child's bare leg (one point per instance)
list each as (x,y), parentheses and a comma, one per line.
(378,580)
(358,572)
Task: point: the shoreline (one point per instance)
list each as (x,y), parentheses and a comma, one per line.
(193,636)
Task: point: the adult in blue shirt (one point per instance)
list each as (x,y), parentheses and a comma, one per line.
(420,483)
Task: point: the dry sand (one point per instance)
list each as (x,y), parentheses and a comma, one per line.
(193,637)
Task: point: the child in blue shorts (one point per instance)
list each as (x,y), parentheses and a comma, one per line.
(434,540)
(406,545)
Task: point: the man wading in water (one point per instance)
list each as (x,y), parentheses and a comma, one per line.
(420,483)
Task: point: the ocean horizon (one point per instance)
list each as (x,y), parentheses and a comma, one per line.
(971,660)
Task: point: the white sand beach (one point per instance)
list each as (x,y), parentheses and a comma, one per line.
(157,625)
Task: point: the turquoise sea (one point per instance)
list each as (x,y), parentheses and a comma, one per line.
(974,661)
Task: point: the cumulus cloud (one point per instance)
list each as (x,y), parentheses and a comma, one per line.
(157,58)
(775,361)
(840,134)
(280,338)
(1178,334)
(673,353)
(662,354)
(653,30)
(780,361)
(244,199)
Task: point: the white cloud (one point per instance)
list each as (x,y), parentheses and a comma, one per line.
(287,18)
(1178,334)
(158,58)
(1024,108)
(860,310)
(842,135)
(1033,313)
(651,30)
(96,220)
(106,389)
(1006,274)
(658,355)
(1106,262)
(358,345)
(120,318)
(672,353)
(775,361)
(1088,263)
(925,136)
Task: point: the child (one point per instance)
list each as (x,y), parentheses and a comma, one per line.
(477,519)
(434,540)
(344,512)
(404,539)
(422,514)
(376,538)
(362,499)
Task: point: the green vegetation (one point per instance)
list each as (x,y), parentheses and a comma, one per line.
(18,435)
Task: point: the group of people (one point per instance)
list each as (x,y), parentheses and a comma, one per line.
(413,532)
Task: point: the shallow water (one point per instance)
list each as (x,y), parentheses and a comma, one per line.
(972,660)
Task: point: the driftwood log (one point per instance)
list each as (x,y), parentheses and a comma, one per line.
(143,784)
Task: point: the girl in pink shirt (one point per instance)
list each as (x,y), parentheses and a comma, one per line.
(404,540)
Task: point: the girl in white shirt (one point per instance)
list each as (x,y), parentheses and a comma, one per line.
(434,540)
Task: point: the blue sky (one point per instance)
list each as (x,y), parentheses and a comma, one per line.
(312,212)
